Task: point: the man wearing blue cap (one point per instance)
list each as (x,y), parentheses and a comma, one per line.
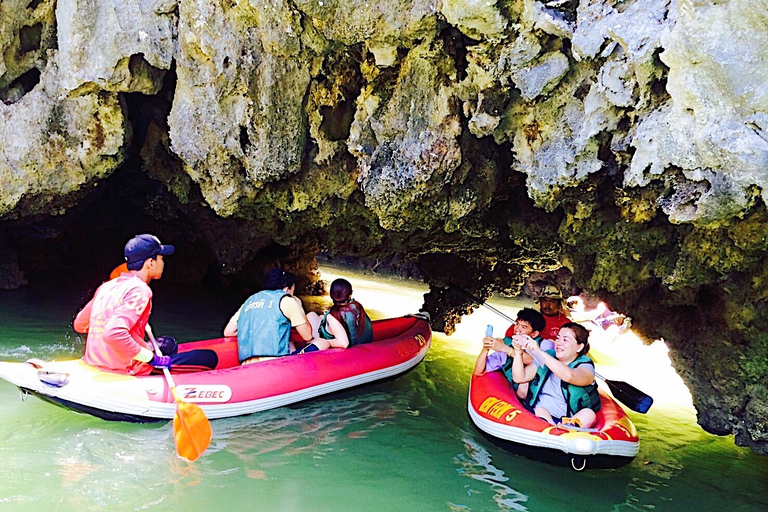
(117,316)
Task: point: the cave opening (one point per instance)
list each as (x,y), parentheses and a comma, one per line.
(456,44)
(337,121)
(86,241)
(342,79)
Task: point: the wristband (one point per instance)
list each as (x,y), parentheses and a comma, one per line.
(145,355)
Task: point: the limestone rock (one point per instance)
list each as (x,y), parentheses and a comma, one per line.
(554,140)
(541,77)
(418,129)
(547,20)
(115,46)
(27,32)
(237,120)
(331,104)
(478,20)
(384,22)
(714,128)
(53,146)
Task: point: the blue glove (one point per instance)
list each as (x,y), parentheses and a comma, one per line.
(161,361)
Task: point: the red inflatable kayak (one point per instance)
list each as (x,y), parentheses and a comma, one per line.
(229,390)
(495,410)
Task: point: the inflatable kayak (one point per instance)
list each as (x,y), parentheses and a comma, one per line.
(229,390)
(496,411)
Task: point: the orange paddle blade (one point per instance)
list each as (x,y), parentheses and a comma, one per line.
(191,430)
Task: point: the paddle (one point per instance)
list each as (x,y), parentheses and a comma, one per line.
(623,392)
(191,429)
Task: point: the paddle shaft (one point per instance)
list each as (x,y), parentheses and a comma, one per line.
(477,299)
(191,428)
(626,393)
(166,371)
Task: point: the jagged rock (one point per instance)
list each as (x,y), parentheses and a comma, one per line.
(386,22)
(542,76)
(715,127)
(53,147)
(550,21)
(115,46)
(27,31)
(478,20)
(554,140)
(331,104)
(418,128)
(232,126)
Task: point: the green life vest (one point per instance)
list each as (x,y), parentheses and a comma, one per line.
(349,316)
(576,397)
(507,366)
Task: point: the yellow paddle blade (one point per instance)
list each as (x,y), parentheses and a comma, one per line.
(191,430)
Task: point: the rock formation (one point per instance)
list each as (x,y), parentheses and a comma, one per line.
(624,140)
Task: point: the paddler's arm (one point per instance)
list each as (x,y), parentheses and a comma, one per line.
(503,347)
(480,363)
(520,371)
(231,328)
(579,376)
(83,318)
(292,309)
(305,331)
(482,358)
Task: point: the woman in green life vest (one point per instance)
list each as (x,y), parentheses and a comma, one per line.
(562,388)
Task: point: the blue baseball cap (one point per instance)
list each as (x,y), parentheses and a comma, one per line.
(142,247)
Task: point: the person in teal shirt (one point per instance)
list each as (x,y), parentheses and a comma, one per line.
(263,323)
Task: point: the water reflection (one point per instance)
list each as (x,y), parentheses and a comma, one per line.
(264,441)
(476,463)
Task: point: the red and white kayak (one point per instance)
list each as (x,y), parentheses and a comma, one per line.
(495,410)
(230,390)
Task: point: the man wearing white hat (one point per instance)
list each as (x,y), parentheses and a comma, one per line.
(553,308)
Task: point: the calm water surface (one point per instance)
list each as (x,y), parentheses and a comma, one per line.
(405,444)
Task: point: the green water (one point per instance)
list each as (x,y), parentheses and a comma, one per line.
(405,444)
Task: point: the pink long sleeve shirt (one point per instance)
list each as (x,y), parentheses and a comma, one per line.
(115,320)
